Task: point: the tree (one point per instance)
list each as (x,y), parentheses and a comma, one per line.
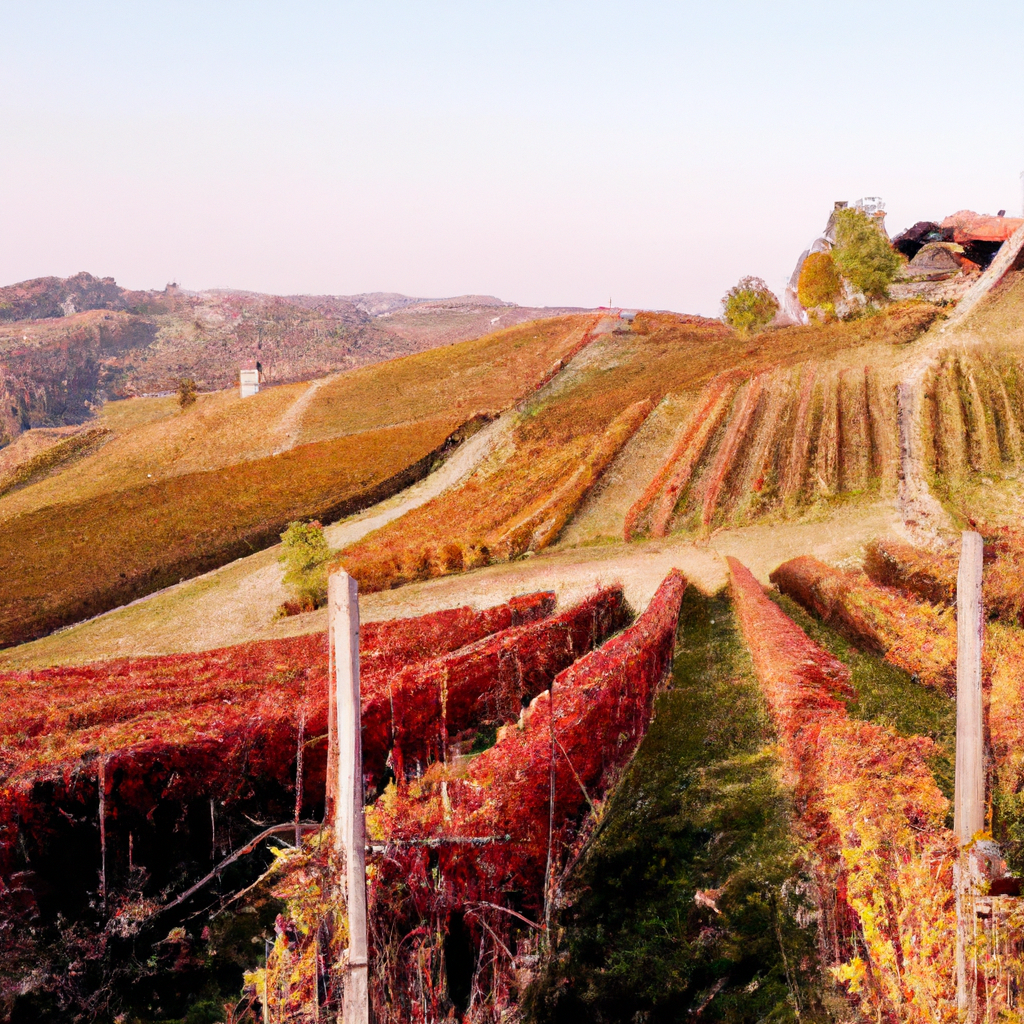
(749,305)
(304,554)
(863,255)
(820,285)
(187,392)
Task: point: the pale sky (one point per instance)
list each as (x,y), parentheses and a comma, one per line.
(550,153)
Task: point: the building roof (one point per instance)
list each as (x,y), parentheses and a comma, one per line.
(969,226)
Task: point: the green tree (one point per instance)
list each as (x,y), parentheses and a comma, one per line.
(749,306)
(187,392)
(863,255)
(820,284)
(304,555)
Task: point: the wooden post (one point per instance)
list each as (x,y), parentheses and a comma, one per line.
(331,789)
(349,822)
(102,780)
(969,795)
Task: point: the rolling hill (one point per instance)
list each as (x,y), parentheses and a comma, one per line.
(169,493)
(682,791)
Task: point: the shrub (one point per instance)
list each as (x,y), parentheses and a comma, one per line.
(304,555)
(819,286)
(187,392)
(863,254)
(749,305)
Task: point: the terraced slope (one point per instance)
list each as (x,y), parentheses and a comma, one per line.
(800,436)
(522,498)
(169,494)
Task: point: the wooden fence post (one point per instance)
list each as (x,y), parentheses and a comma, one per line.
(331,789)
(969,795)
(349,822)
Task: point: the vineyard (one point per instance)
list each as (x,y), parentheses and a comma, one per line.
(104,763)
(744,450)
(188,491)
(873,818)
(726,805)
(794,437)
(920,637)
(469,853)
(125,781)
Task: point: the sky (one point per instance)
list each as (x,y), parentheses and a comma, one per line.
(550,153)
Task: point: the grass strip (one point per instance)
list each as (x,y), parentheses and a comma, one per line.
(688,897)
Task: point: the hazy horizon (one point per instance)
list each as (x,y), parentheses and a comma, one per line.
(554,155)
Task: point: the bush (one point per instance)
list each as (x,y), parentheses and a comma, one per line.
(863,254)
(187,392)
(304,555)
(820,284)
(749,305)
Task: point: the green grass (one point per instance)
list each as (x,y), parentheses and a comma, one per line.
(700,808)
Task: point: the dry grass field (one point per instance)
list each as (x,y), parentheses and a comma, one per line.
(483,375)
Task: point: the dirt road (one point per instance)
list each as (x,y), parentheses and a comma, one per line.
(239,602)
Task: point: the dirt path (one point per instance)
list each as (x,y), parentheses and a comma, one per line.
(237,603)
(290,424)
(454,470)
(924,520)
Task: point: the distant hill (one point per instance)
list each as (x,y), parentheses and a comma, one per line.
(67,345)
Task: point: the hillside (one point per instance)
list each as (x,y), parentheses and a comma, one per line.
(667,361)
(671,733)
(170,493)
(67,345)
(589,415)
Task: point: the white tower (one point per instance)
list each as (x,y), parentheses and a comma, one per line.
(249,380)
